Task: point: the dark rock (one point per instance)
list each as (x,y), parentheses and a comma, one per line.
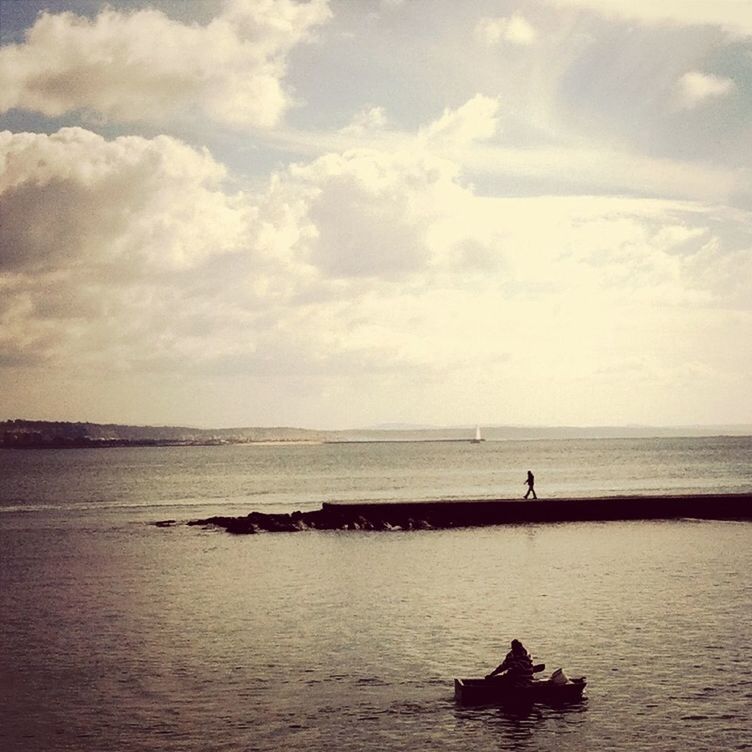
(240,526)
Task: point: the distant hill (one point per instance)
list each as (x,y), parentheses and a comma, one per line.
(38,433)
(48,434)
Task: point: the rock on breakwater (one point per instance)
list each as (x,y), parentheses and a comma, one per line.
(430,515)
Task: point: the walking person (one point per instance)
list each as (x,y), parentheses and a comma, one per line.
(530,482)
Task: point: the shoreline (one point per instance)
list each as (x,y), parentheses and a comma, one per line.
(441,515)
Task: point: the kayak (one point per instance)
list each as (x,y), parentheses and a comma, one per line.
(498,691)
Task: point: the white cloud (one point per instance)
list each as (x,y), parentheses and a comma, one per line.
(476,120)
(609,171)
(695,88)
(514,29)
(370,213)
(101,239)
(732,15)
(367,120)
(370,271)
(130,203)
(143,66)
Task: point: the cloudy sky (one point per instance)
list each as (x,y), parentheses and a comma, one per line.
(347,213)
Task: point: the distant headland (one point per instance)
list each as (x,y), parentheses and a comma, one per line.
(40,434)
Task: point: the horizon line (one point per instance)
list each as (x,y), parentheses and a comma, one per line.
(397,427)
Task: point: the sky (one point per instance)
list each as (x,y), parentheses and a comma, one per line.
(350,213)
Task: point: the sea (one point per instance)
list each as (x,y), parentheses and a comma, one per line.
(117,635)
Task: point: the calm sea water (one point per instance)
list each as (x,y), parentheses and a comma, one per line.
(185,482)
(117,635)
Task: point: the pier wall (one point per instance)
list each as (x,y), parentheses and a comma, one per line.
(427,515)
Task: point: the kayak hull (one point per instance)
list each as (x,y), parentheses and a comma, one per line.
(499,692)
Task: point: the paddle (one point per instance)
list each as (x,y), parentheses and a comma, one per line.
(537,668)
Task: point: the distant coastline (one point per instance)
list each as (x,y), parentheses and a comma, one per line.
(34,434)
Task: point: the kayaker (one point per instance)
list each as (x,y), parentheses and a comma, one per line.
(516,668)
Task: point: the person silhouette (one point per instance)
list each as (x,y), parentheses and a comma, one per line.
(517,668)
(530,485)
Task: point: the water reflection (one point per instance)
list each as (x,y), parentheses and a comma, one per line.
(142,640)
(525,726)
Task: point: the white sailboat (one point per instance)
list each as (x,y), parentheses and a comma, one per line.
(478,437)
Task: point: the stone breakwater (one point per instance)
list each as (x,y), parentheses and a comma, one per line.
(439,515)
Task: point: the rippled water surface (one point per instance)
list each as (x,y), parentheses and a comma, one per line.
(117,635)
(195,481)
